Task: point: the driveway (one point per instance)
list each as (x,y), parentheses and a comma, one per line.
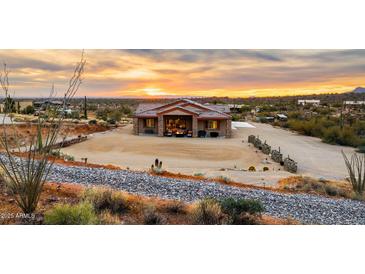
(314,157)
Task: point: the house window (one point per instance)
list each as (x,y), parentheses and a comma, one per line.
(212,124)
(150,122)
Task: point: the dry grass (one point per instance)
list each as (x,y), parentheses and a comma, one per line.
(24,132)
(300,184)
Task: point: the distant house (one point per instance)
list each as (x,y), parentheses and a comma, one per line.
(235,107)
(353,103)
(309,102)
(265,119)
(281,117)
(42,104)
(182,117)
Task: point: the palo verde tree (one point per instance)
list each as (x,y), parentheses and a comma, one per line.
(26,161)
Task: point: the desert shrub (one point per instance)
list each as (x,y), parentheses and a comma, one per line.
(106,199)
(224,179)
(63,214)
(151,217)
(241,211)
(199,174)
(251,168)
(331,191)
(235,117)
(67,157)
(28,110)
(232,206)
(108,218)
(175,207)
(207,212)
(93,122)
(265,168)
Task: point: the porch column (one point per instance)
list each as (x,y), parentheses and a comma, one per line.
(160,125)
(229,128)
(195,126)
(135,126)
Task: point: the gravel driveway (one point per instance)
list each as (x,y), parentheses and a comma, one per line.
(308,209)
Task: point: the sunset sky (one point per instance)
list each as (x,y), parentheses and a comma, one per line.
(233,73)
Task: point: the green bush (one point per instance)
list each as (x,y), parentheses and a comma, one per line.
(241,211)
(106,199)
(207,212)
(28,110)
(93,122)
(251,168)
(331,191)
(63,214)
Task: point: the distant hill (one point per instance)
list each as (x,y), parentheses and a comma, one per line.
(359,90)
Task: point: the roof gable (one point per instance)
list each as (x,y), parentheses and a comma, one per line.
(172,109)
(181,105)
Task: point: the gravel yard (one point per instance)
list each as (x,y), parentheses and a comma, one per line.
(308,209)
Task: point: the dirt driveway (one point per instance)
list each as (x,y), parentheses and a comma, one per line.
(314,157)
(213,157)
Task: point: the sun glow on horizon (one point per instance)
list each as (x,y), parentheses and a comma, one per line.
(159,73)
(155,92)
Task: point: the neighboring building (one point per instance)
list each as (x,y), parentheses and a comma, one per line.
(281,117)
(183,117)
(235,107)
(309,102)
(22,104)
(43,104)
(354,103)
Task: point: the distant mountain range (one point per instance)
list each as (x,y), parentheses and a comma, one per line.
(359,90)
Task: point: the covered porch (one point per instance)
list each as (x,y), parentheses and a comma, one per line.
(178,125)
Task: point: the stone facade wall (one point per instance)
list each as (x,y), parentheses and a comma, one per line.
(135,126)
(195,126)
(266,149)
(251,139)
(229,128)
(290,165)
(257,143)
(277,156)
(160,126)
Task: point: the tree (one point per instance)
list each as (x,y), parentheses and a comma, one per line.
(9,104)
(26,175)
(28,110)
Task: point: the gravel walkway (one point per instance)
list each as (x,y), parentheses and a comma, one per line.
(308,209)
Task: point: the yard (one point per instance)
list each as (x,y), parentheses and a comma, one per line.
(214,157)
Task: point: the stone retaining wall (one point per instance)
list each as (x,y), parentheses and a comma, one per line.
(290,165)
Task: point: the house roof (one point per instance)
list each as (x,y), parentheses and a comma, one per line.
(184,105)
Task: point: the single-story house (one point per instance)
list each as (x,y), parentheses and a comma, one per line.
(309,102)
(281,117)
(182,117)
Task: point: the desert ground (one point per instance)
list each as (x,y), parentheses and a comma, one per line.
(215,157)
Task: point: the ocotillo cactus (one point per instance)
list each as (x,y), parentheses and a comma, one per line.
(85,108)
